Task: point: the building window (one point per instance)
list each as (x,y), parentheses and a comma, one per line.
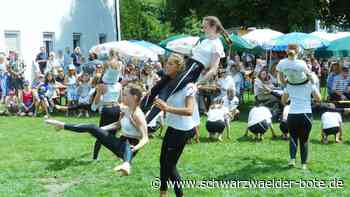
(76,40)
(12,41)
(102,38)
(48,38)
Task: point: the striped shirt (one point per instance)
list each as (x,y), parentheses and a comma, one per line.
(340,84)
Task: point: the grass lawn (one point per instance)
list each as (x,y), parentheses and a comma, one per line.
(38,161)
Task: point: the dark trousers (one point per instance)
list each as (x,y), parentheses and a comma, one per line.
(109,115)
(173,144)
(299,127)
(167,86)
(119,146)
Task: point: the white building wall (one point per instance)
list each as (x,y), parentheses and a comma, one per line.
(62,17)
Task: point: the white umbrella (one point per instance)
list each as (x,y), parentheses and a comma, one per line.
(126,48)
(330,36)
(182,45)
(261,37)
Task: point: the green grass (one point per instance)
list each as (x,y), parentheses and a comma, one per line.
(38,161)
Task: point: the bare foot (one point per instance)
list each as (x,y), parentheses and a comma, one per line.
(124,169)
(56,123)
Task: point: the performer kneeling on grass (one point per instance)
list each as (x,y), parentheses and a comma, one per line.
(133,129)
(218,120)
(179,109)
(259,121)
(331,125)
(299,118)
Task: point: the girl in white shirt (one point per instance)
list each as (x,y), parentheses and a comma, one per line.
(179,109)
(259,121)
(218,115)
(205,56)
(331,125)
(299,119)
(133,130)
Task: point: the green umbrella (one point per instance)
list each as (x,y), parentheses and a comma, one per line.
(239,43)
(337,48)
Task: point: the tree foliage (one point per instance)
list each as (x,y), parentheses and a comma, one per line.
(143,21)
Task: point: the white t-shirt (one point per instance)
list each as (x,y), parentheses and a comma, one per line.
(294,70)
(259,114)
(330,120)
(217,114)
(127,127)
(231,104)
(300,98)
(180,122)
(205,49)
(196,116)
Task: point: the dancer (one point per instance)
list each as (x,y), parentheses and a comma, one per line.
(259,121)
(331,125)
(108,96)
(179,109)
(291,70)
(205,57)
(133,130)
(299,118)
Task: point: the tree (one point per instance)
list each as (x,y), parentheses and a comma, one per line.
(336,12)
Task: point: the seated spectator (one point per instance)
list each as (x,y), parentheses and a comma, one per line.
(41,100)
(231,102)
(11,103)
(259,121)
(235,70)
(331,125)
(27,100)
(333,72)
(262,94)
(340,90)
(224,82)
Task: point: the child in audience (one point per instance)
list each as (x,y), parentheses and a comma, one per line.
(84,96)
(331,125)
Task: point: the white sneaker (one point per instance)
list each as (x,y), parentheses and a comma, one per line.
(291,163)
(303,166)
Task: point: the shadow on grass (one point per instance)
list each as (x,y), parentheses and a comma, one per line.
(255,167)
(246,139)
(314,141)
(61,164)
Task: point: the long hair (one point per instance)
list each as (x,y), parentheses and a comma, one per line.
(214,21)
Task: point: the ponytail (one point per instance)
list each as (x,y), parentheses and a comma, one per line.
(214,21)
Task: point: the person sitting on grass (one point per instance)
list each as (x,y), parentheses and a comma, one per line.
(216,122)
(27,100)
(231,102)
(331,125)
(259,121)
(42,100)
(133,129)
(11,103)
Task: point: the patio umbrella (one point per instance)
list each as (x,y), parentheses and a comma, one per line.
(330,36)
(180,43)
(127,49)
(337,48)
(260,37)
(239,43)
(153,47)
(305,41)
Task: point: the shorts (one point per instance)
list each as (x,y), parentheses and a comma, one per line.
(215,126)
(331,131)
(260,127)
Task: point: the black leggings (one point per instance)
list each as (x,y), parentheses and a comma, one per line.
(167,86)
(109,115)
(119,146)
(173,144)
(299,127)
(79,106)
